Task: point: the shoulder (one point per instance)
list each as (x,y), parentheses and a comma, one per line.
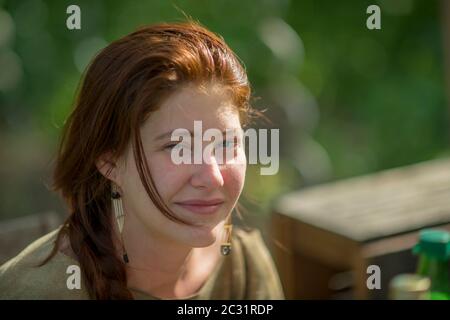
(252,243)
(22,278)
(262,279)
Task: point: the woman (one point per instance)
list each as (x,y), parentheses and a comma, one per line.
(141,226)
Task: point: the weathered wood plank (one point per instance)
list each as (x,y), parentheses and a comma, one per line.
(374,206)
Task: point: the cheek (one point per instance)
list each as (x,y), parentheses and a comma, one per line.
(234,178)
(168,177)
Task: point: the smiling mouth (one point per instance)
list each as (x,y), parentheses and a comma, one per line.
(200,206)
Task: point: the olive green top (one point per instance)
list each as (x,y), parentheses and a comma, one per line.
(248,272)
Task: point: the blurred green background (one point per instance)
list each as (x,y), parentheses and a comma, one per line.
(348,100)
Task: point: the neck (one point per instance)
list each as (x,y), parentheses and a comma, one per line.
(160,266)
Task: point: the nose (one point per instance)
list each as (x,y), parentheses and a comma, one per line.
(207,175)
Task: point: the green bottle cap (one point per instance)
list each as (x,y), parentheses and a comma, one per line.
(434,243)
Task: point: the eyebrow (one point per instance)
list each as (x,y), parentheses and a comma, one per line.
(168,134)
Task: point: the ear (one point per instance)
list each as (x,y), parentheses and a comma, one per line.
(107,166)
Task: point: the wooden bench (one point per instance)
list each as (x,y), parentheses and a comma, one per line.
(328,234)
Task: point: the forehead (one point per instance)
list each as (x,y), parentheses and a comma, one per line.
(211,104)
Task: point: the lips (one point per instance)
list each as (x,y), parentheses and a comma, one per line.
(201,206)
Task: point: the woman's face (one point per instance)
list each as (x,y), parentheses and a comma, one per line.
(202,194)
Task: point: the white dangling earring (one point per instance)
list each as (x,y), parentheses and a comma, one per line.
(119,215)
(225,247)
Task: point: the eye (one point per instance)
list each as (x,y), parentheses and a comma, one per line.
(185,147)
(170,146)
(228,144)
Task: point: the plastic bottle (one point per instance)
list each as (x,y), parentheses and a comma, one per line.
(433,250)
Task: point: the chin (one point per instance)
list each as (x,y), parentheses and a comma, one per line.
(201,236)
